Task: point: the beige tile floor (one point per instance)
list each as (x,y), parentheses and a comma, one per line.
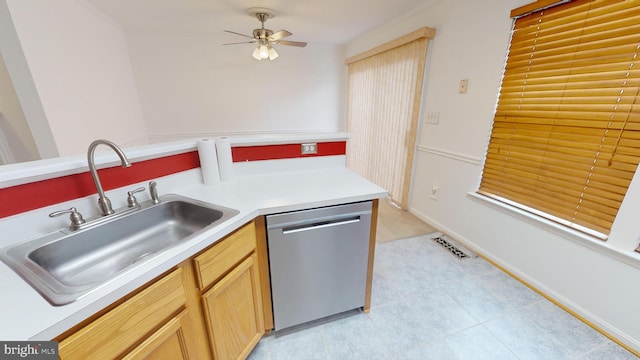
(394,223)
(427,304)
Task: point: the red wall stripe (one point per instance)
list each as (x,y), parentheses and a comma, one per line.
(26,197)
(31,196)
(284,151)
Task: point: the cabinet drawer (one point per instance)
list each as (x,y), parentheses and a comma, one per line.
(122,327)
(224,255)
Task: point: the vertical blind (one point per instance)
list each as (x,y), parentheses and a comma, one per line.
(565,141)
(384,94)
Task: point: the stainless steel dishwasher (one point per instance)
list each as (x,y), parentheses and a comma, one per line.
(318,261)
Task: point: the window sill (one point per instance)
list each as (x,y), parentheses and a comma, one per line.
(629,257)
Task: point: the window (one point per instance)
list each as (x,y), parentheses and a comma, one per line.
(565,141)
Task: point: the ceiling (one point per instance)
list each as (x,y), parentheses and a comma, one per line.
(322,21)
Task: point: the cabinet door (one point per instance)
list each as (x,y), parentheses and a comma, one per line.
(172,341)
(129,323)
(233,309)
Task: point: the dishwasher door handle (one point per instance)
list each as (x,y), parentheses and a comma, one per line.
(320,225)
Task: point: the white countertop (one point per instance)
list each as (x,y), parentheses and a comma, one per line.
(24,314)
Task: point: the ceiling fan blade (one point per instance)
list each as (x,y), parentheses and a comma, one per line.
(292,43)
(279,35)
(243,42)
(233,32)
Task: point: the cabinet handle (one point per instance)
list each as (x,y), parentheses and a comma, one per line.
(320,225)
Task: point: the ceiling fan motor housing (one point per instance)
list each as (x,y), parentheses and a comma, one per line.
(262,33)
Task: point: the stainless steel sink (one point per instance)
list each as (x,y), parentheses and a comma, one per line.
(66,265)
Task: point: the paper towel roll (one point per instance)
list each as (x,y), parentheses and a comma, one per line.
(225,162)
(208,162)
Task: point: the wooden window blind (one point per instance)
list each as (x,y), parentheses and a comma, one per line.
(565,141)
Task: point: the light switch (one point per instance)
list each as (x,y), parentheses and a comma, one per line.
(464,83)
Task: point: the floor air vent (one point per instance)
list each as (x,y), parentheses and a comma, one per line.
(453,247)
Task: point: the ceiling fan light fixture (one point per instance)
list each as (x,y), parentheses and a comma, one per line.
(273,54)
(256,54)
(263,51)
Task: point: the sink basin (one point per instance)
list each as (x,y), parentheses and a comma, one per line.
(66,265)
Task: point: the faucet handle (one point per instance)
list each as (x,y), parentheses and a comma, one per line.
(131,200)
(75,217)
(153,190)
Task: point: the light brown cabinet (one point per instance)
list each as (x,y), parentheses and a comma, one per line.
(172,341)
(229,277)
(129,329)
(234,312)
(210,306)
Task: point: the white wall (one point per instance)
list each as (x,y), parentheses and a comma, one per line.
(191,85)
(24,85)
(13,123)
(95,79)
(80,65)
(597,280)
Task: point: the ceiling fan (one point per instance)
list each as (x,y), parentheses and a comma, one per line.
(265,38)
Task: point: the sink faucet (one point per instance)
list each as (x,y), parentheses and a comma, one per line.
(103,202)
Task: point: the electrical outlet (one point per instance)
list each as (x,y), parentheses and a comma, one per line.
(464,83)
(309,148)
(433,118)
(435,190)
